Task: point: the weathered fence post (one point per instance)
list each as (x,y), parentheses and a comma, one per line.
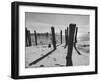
(27,37)
(70,44)
(53,37)
(35,37)
(76,34)
(75,41)
(61,36)
(66,36)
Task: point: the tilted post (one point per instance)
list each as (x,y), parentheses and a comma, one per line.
(53,37)
(35,37)
(75,41)
(70,44)
(76,35)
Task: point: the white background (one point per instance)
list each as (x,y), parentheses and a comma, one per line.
(5,40)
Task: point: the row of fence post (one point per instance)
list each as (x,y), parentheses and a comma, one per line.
(28,37)
(70,39)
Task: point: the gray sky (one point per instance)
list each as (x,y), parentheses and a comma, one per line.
(42,22)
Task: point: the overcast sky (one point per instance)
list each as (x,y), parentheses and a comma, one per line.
(42,22)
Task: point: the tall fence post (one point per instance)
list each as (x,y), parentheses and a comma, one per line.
(61,36)
(35,37)
(75,41)
(53,37)
(70,44)
(27,37)
(76,35)
(66,37)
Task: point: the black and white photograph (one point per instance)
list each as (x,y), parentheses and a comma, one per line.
(50,40)
(56,40)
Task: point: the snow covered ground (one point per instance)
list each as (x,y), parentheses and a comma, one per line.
(56,58)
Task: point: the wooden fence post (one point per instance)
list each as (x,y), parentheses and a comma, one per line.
(53,37)
(75,41)
(27,37)
(35,37)
(66,37)
(76,35)
(70,44)
(61,36)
